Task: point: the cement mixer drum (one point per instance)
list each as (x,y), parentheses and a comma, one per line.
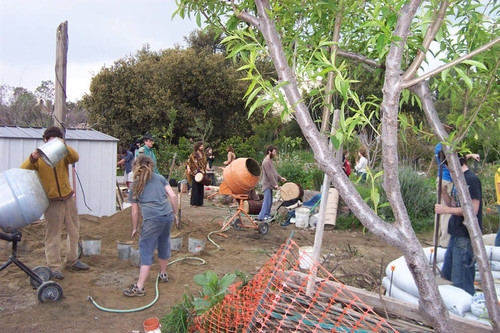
(242,175)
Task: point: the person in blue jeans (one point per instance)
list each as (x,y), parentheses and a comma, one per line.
(158,204)
(458,266)
(269,182)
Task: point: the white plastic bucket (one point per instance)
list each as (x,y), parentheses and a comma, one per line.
(175,243)
(313,220)
(135,257)
(302,217)
(123,250)
(305,260)
(91,247)
(196,245)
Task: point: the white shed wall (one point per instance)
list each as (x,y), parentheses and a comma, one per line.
(96,170)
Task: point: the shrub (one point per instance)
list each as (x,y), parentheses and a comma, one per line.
(242,147)
(296,171)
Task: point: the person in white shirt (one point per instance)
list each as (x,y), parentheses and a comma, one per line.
(362,163)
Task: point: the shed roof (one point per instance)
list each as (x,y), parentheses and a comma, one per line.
(37,133)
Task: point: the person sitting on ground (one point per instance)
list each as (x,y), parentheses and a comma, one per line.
(231,156)
(126,159)
(158,202)
(458,266)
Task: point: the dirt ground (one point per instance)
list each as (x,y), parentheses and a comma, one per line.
(355,258)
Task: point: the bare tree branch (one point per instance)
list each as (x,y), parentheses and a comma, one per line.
(425,96)
(438,70)
(331,74)
(431,32)
(360,58)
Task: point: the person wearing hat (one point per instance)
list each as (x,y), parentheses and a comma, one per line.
(147,149)
(134,146)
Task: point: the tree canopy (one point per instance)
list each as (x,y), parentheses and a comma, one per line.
(191,90)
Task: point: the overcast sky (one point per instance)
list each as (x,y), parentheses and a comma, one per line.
(99,32)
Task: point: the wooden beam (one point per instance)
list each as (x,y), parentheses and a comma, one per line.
(60,69)
(380,304)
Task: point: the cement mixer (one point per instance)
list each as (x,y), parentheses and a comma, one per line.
(240,177)
(22,202)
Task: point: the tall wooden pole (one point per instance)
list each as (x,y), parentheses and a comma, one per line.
(60,69)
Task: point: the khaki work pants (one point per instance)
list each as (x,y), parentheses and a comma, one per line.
(57,214)
(444,236)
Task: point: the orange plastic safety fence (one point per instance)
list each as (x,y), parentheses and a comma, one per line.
(291,293)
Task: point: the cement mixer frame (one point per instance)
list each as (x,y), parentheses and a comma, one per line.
(237,221)
(39,276)
(240,177)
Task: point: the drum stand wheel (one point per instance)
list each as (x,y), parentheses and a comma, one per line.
(49,291)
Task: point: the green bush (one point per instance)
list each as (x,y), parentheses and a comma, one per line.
(296,171)
(419,197)
(242,147)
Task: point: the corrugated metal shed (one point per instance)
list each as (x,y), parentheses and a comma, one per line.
(95,171)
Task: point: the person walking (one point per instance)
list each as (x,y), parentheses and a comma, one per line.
(158,203)
(126,160)
(62,206)
(147,150)
(197,163)
(269,182)
(458,266)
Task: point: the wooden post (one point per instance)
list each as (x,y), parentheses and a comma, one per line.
(60,69)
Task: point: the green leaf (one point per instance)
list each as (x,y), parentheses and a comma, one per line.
(475,63)
(466,79)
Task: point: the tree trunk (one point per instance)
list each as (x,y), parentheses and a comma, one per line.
(425,96)
(400,234)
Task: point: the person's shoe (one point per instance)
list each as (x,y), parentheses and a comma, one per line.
(58,274)
(80,266)
(267,218)
(164,277)
(133,290)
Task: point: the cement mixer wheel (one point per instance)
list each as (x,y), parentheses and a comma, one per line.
(43,272)
(49,291)
(264,228)
(237,224)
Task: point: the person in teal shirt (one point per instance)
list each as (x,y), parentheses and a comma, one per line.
(147,149)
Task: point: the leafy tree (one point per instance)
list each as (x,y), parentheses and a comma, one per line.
(139,93)
(306,40)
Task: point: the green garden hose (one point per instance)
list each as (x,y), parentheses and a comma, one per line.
(91,299)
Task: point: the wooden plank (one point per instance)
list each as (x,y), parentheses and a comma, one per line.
(393,306)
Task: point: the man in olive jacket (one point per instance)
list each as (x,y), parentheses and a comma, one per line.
(62,206)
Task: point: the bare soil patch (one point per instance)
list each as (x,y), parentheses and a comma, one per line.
(355,258)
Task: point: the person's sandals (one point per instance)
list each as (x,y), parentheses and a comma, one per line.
(164,277)
(133,290)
